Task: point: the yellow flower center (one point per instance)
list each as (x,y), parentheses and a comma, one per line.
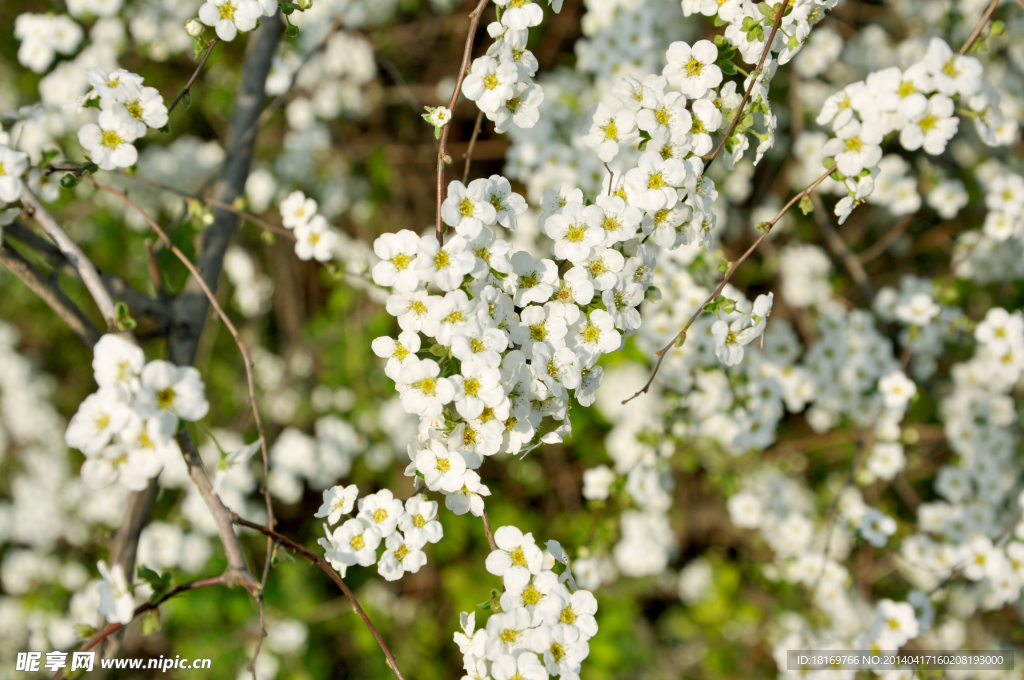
(165,398)
(693,67)
(417,307)
(102,422)
(379,515)
(950,68)
(513,104)
(401,261)
(358,542)
(611,131)
(854,144)
(576,233)
(518,557)
(227,11)
(111,139)
(471,387)
(528,280)
(314,238)
(444,464)
(427,385)
(468,437)
(568,616)
(662,116)
(697,127)
(134,110)
(418,521)
(476,346)
(466,207)
(906,89)
(441,260)
(400,352)
(454,317)
(538,332)
(557,651)
(656,181)
(591,333)
(491,81)
(509,636)
(928,122)
(531,595)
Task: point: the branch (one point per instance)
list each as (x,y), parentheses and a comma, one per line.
(985,18)
(443,157)
(143,608)
(188,85)
(126,540)
(73,254)
(50,293)
(487,529)
(841,250)
(236,573)
(882,244)
(188,312)
(472,143)
(119,288)
(316,559)
(681,335)
(750,88)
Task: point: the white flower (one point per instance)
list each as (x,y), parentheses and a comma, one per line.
(354,542)
(445,266)
(562,648)
(468,208)
(490,84)
(855,147)
(101,416)
(479,343)
(609,129)
(147,107)
(441,469)
(876,528)
(952,73)
(315,240)
(227,462)
(402,555)
(109,140)
(540,324)
(338,501)
(575,230)
(621,302)
(935,126)
(520,14)
(116,603)
(381,510)
(593,336)
(706,119)
(506,202)
(400,353)
(13,165)
(228,17)
(535,281)
(419,523)
(575,609)
(440,116)
(522,108)
(653,182)
(516,558)
(597,482)
(507,632)
(693,69)
(898,619)
(116,361)
(119,85)
(897,389)
(518,667)
(470,497)
(423,392)
(476,388)
(169,392)
(296,209)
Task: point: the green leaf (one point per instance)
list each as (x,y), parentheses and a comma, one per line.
(84,631)
(48,156)
(829,163)
(728,68)
(997,28)
(160,583)
(726,305)
(69,181)
(680,340)
(123,318)
(763,227)
(723,265)
(186,99)
(150,622)
(806,205)
(765,9)
(438,350)
(292,31)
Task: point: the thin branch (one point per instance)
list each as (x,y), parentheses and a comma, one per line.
(316,559)
(841,250)
(442,157)
(126,540)
(50,293)
(750,88)
(188,85)
(681,335)
(976,33)
(112,628)
(73,254)
(472,143)
(487,529)
(118,287)
(882,244)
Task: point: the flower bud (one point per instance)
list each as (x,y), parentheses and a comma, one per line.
(194,28)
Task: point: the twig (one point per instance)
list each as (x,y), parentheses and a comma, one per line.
(487,529)
(841,250)
(316,559)
(73,254)
(989,11)
(750,88)
(663,352)
(882,244)
(50,293)
(148,606)
(472,143)
(442,156)
(188,85)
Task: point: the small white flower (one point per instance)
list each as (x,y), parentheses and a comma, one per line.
(693,69)
(170,392)
(897,389)
(516,558)
(401,555)
(338,501)
(116,602)
(419,523)
(13,165)
(354,542)
(296,209)
(101,416)
(442,469)
(381,510)
(109,140)
(228,17)
(315,240)
(440,116)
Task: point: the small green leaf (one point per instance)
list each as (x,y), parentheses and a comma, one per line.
(728,68)
(123,320)
(763,227)
(997,28)
(84,631)
(69,181)
(806,205)
(48,156)
(438,350)
(723,265)
(150,622)
(680,340)
(166,129)
(186,100)
(160,583)
(829,163)
(292,31)
(726,305)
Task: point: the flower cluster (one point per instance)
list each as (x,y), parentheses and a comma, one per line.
(501,82)
(43,36)
(403,528)
(126,428)
(315,239)
(127,109)
(542,622)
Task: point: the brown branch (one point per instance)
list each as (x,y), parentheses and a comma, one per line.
(681,335)
(50,293)
(73,254)
(126,540)
(487,530)
(750,88)
(442,156)
(976,33)
(112,628)
(472,143)
(316,559)
(188,85)
(882,244)
(841,250)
